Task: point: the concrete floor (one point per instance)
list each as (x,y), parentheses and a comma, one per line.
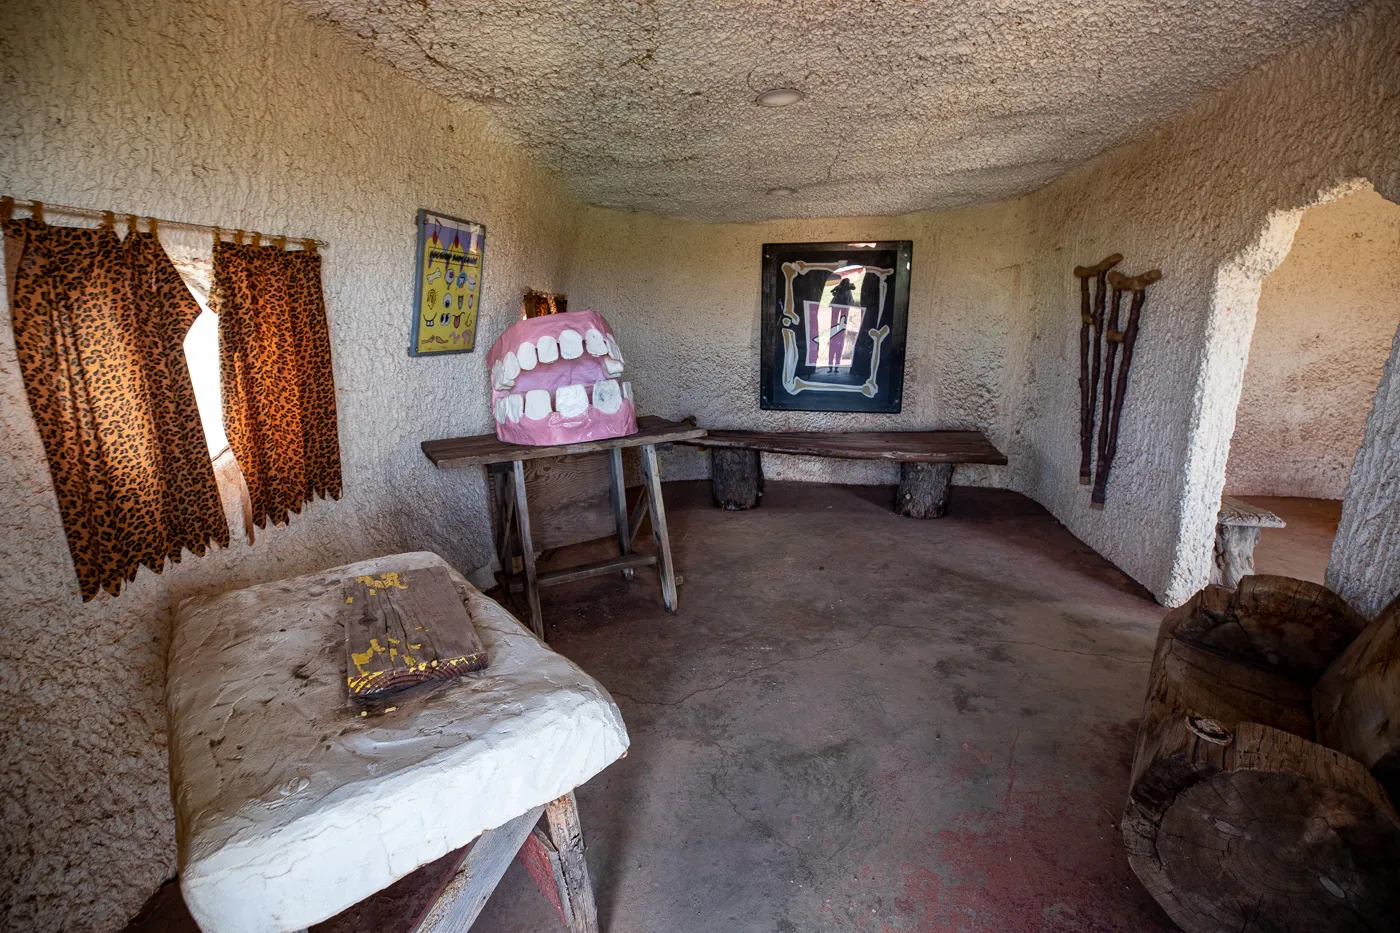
(1302,548)
(856,721)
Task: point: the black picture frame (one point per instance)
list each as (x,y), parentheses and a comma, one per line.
(846,365)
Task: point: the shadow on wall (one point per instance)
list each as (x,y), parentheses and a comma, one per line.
(1291,383)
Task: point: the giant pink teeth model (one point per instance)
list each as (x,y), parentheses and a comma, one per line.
(555,380)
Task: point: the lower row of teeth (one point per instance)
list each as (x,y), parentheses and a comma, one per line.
(569,401)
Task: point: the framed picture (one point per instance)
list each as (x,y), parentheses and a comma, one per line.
(833,324)
(447,290)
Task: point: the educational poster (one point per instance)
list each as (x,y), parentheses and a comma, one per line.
(448,289)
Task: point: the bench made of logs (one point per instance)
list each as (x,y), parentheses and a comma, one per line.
(926,461)
(1268,762)
(1236,533)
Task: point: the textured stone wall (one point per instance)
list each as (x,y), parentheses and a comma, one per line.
(1212,199)
(684,300)
(1327,316)
(246,115)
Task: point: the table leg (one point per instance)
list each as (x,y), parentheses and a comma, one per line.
(527,551)
(457,903)
(505,530)
(567,835)
(658,526)
(619,504)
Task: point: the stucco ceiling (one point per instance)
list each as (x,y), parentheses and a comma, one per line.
(909,106)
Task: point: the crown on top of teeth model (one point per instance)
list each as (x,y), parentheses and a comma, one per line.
(556,379)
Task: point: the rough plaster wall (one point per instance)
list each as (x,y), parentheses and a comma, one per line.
(1212,199)
(684,299)
(910,106)
(1327,316)
(1365,563)
(246,115)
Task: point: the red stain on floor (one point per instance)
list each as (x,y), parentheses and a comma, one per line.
(1050,858)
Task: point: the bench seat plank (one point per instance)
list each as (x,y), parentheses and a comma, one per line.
(903,446)
(1237,512)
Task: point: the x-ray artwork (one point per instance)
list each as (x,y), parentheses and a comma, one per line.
(833,328)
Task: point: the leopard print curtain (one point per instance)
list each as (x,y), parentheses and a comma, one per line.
(99,332)
(275,370)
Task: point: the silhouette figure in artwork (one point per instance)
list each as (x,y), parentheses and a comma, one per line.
(843,297)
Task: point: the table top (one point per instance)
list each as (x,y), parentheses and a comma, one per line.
(483,449)
(904,446)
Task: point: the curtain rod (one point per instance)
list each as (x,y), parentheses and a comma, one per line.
(45,207)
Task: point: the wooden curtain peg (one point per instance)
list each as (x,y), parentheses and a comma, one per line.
(238,237)
(281,242)
(153,226)
(109,220)
(36,210)
(131,226)
(309,245)
(257,238)
(218,235)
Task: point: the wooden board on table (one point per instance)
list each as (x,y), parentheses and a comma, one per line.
(406,628)
(904,446)
(487,448)
(570,499)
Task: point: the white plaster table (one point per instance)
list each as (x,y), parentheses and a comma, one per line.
(290,806)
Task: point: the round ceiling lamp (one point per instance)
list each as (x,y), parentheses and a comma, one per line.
(779,97)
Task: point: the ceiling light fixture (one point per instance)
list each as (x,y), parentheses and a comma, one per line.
(781,192)
(779,97)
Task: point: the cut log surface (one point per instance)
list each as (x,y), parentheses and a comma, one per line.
(1293,626)
(1237,821)
(1356,703)
(923,489)
(736,478)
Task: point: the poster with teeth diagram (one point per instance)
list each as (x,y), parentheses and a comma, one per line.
(447,292)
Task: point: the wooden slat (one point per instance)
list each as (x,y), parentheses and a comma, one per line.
(1237,512)
(567,834)
(487,448)
(406,628)
(595,569)
(456,905)
(904,446)
(570,499)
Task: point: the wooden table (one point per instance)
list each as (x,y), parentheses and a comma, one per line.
(506,465)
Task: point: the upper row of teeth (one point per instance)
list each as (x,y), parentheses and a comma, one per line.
(569,345)
(569,401)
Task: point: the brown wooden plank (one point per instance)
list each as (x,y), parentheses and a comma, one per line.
(1238,512)
(567,835)
(487,448)
(570,499)
(904,446)
(406,628)
(455,906)
(594,569)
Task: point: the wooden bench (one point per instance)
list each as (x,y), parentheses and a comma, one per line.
(1236,533)
(926,461)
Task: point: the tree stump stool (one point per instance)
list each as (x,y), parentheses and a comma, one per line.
(736,477)
(1236,533)
(923,489)
(1251,806)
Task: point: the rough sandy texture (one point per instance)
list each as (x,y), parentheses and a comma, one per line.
(245,115)
(1212,199)
(1327,316)
(290,807)
(910,107)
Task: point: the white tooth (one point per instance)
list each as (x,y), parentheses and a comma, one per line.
(548,349)
(526,355)
(570,345)
(571,401)
(537,404)
(607,397)
(500,409)
(593,340)
(612,366)
(515,404)
(614,350)
(496,376)
(510,368)
(627,391)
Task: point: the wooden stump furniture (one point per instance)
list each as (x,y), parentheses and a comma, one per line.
(926,461)
(1236,533)
(1268,754)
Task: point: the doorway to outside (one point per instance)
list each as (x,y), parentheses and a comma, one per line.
(1327,318)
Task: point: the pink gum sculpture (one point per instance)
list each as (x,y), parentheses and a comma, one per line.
(555,380)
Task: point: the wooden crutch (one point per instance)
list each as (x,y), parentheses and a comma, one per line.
(1090,328)
(1127,338)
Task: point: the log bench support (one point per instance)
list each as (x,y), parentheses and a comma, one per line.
(926,460)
